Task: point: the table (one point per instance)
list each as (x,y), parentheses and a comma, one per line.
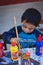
(38,60)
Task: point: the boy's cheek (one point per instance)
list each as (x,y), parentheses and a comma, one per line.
(26,30)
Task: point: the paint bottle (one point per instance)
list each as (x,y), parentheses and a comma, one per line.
(14,50)
(26,59)
(1,50)
(39,46)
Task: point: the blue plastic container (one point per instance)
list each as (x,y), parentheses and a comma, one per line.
(39,45)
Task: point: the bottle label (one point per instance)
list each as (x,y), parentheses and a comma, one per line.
(15,56)
(41,49)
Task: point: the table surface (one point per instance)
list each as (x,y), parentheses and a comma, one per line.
(33,56)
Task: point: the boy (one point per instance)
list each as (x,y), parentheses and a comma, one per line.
(30,20)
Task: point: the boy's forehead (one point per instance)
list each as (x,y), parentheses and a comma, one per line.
(27,24)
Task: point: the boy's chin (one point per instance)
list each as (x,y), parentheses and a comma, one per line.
(28,32)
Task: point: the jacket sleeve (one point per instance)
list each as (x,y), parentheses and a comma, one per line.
(38,32)
(10,34)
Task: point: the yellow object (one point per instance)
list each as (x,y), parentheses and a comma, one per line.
(14,52)
(13,40)
(26,56)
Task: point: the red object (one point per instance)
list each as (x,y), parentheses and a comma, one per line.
(1,46)
(13,43)
(1,50)
(28,53)
(39,38)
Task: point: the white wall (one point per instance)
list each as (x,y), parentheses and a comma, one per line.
(7,14)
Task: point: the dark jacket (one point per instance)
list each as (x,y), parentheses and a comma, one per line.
(30,36)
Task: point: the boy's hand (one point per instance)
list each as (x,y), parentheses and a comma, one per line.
(14,40)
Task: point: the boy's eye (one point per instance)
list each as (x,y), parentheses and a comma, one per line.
(24,26)
(30,28)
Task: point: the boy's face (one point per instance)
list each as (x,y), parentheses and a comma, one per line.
(27,27)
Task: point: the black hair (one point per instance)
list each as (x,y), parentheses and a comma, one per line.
(32,16)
